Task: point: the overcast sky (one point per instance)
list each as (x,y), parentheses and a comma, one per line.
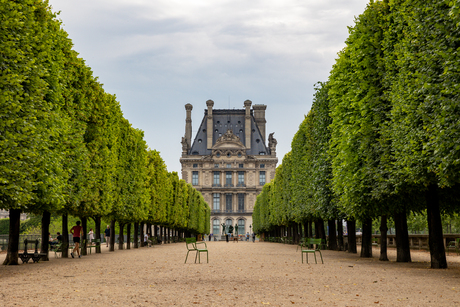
(157,56)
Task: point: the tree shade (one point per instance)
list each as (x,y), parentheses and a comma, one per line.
(66,147)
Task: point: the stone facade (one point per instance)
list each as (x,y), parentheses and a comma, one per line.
(5,214)
(229,162)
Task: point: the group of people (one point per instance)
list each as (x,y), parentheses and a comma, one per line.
(230,236)
(77,233)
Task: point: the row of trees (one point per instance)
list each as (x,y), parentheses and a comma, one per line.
(382,137)
(65,146)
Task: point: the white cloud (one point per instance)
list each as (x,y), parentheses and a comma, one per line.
(157,56)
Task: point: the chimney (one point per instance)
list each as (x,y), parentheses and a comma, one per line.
(209,127)
(259,116)
(247,123)
(188,125)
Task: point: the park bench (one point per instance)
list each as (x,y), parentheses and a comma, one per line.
(455,245)
(97,243)
(36,256)
(58,248)
(375,242)
(306,250)
(192,246)
(82,243)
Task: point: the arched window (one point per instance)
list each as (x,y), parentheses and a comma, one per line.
(228,222)
(241,228)
(216,227)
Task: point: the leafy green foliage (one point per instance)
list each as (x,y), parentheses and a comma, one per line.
(64,144)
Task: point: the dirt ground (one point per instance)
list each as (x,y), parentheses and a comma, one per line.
(242,273)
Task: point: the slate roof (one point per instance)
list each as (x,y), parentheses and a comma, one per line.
(222,121)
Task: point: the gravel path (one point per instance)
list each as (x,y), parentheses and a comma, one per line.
(243,273)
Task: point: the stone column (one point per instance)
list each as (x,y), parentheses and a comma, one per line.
(209,127)
(247,124)
(259,116)
(188,125)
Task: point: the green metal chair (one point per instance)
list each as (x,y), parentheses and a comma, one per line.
(303,243)
(58,248)
(455,245)
(317,243)
(192,246)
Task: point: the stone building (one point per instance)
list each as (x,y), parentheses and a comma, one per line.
(5,214)
(229,161)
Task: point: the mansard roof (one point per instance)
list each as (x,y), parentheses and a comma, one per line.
(223,121)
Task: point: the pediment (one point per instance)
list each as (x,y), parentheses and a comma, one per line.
(228,141)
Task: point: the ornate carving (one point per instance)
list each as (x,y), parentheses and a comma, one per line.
(228,136)
(184,145)
(272,142)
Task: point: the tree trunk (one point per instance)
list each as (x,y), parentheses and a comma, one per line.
(366,245)
(296,233)
(142,234)
(310,229)
(12,257)
(112,236)
(128,236)
(332,244)
(44,248)
(351,229)
(383,238)
(402,237)
(83,241)
(65,236)
(435,236)
(97,222)
(120,236)
(317,231)
(340,235)
(136,235)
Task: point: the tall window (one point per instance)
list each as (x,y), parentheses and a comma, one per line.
(240,178)
(228,178)
(216,227)
(240,202)
(262,178)
(228,222)
(228,202)
(241,228)
(216,178)
(216,202)
(195,178)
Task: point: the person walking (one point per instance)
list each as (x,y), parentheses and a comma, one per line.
(253,237)
(91,236)
(107,235)
(77,232)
